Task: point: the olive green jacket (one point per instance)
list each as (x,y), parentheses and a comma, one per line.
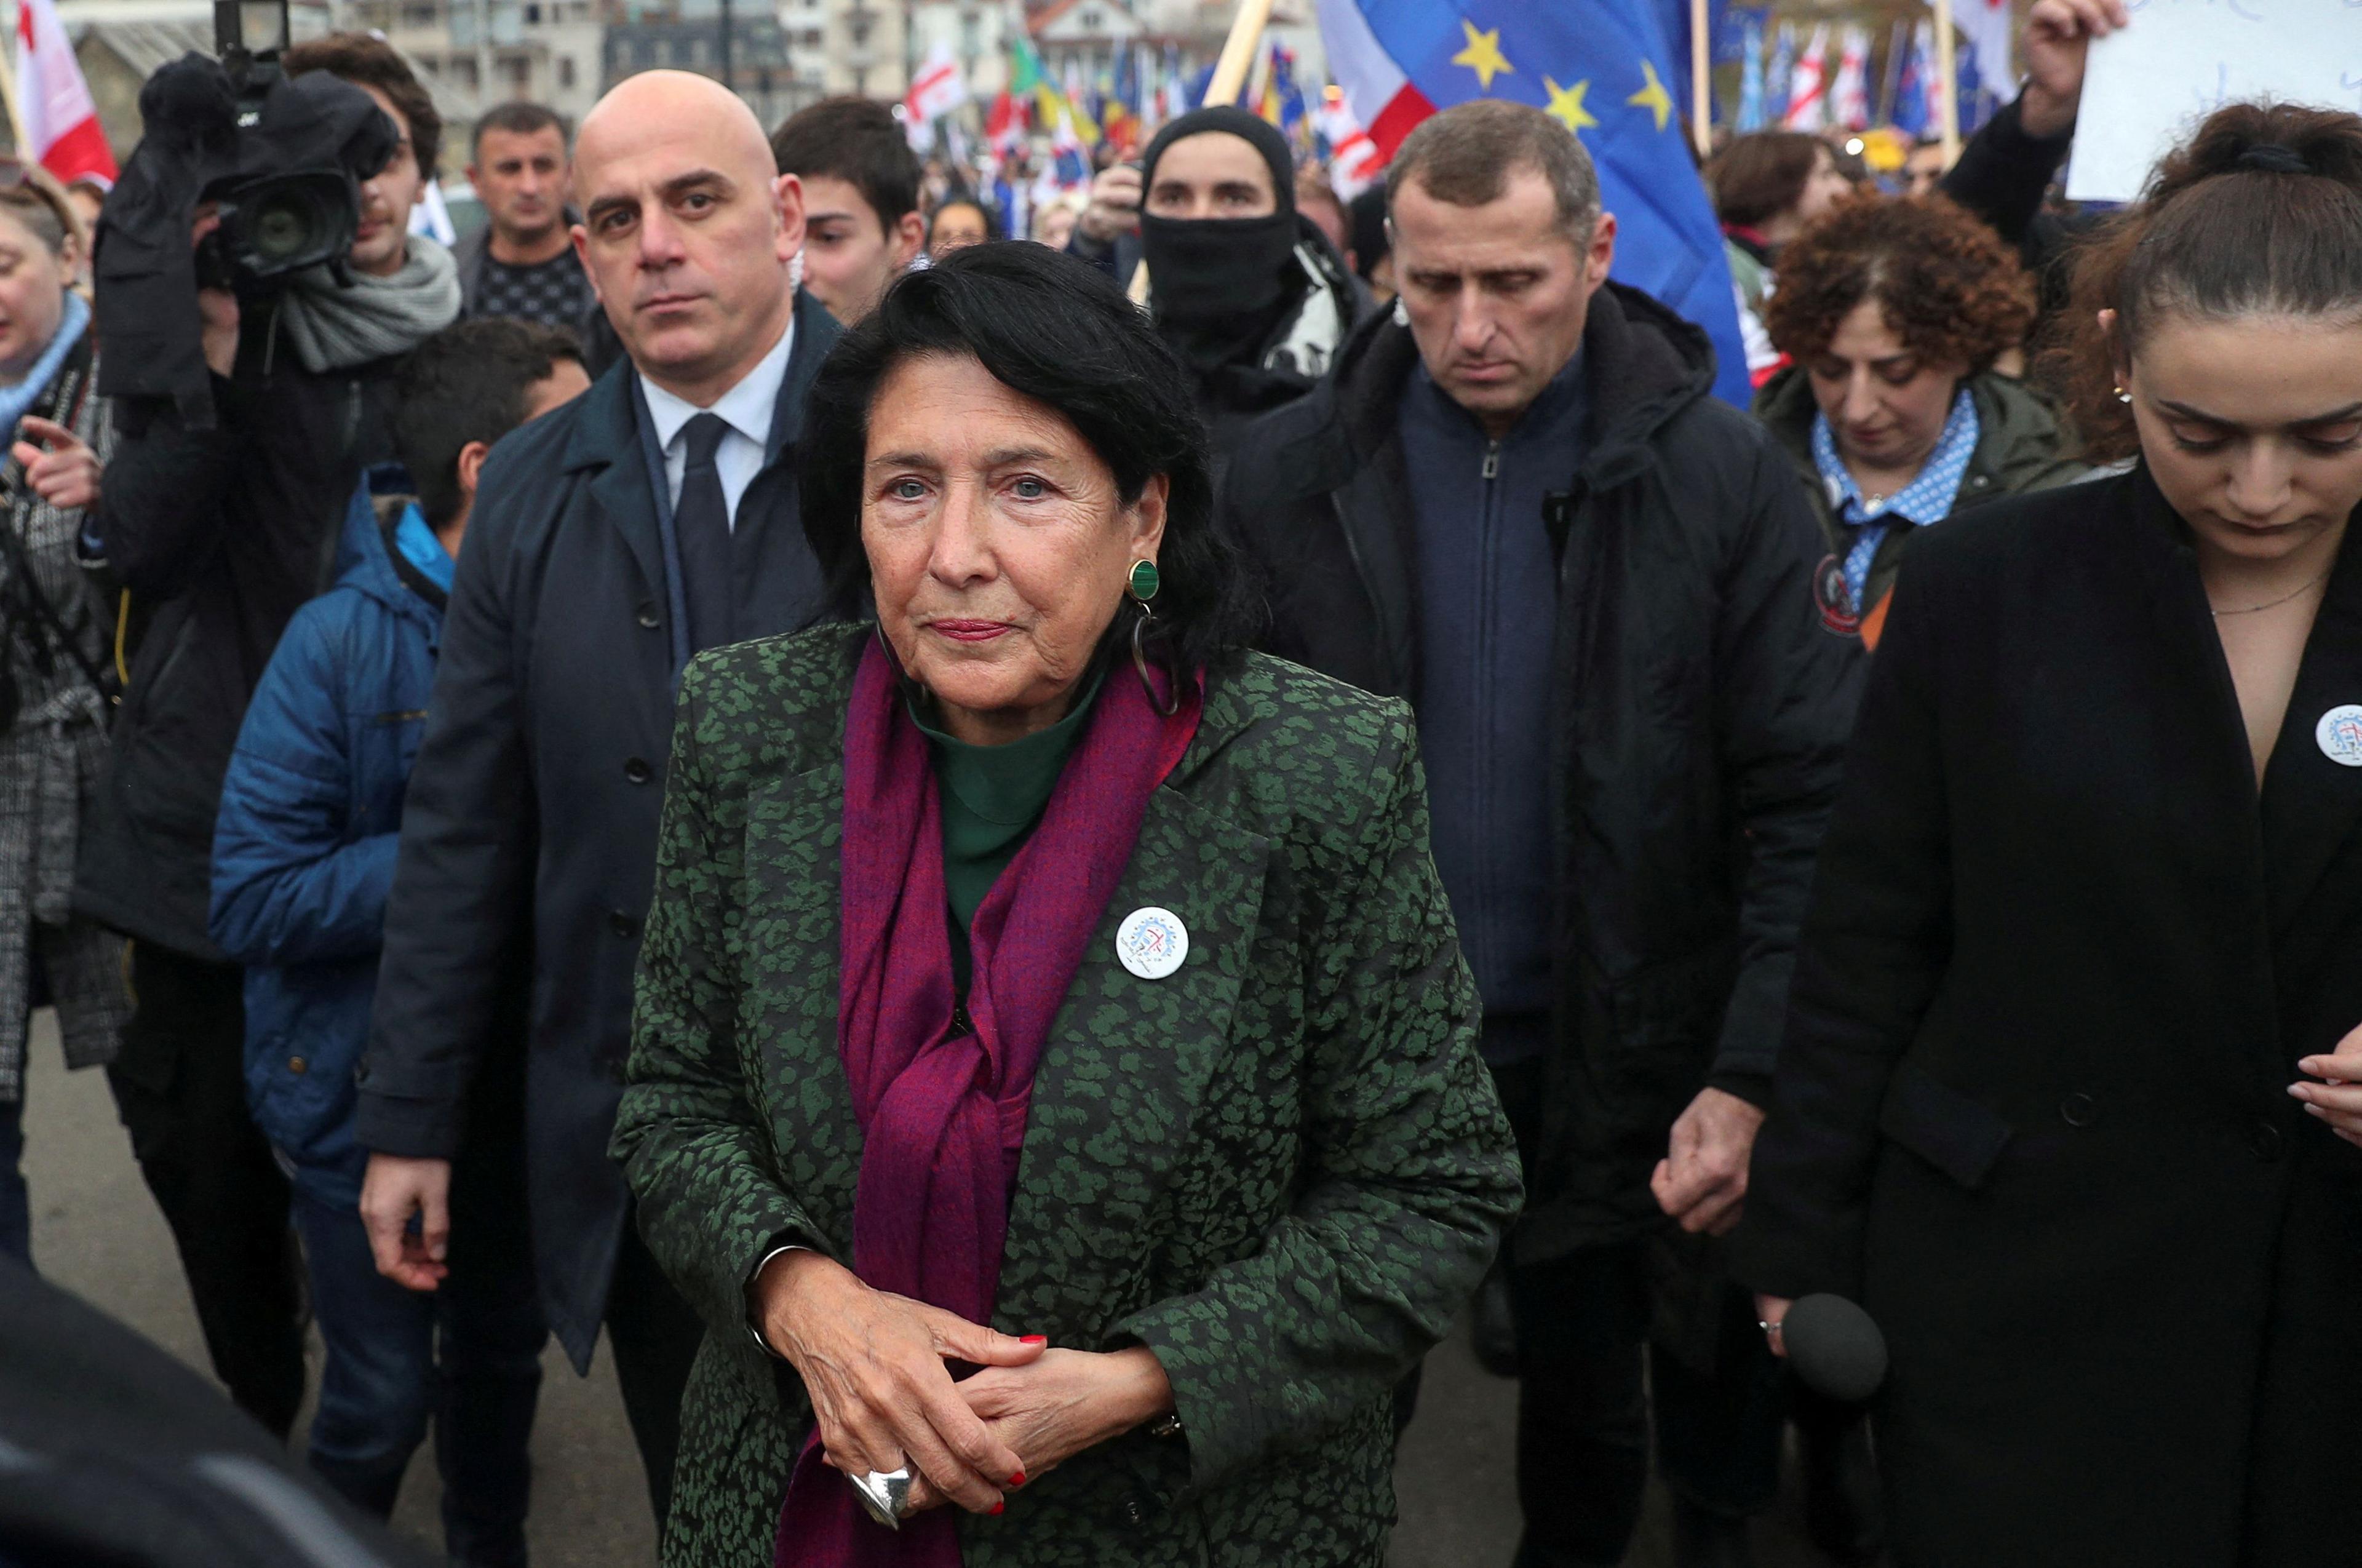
(2021,445)
(1282,1169)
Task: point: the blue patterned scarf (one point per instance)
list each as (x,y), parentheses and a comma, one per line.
(1928,498)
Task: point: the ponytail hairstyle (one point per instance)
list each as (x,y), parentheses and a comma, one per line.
(2258,214)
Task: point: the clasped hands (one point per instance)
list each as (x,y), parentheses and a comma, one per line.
(872,1363)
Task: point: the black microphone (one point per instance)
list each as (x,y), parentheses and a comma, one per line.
(1836,1348)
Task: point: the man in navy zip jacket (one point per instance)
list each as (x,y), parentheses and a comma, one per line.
(304,856)
(1517,504)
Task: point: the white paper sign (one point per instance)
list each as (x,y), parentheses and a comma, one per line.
(2148,86)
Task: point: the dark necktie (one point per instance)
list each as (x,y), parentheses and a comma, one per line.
(702,522)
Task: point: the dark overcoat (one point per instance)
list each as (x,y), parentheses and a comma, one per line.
(2061,960)
(529,832)
(1699,708)
(214,536)
(1281,1169)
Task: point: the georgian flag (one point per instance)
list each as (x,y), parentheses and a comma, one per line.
(1849,101)
(1354,161)
(935,92)
(62,127)
(1808,85)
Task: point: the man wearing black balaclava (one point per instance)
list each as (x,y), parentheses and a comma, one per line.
(1247,291)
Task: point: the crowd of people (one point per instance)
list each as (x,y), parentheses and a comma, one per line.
(1020,867)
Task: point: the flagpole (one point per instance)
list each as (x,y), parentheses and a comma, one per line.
(1238,53)
(1701,79)
(24,148)
(1950,77)
(1891,83)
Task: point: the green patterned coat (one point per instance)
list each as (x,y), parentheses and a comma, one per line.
(1282,1169)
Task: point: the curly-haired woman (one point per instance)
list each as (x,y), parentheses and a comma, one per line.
(1894,309)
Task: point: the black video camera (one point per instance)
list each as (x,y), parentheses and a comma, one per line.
(280,157)
(279,220)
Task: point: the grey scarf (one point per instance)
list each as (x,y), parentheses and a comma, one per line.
(336,328)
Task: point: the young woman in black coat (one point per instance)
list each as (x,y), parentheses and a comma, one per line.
(2073,1083)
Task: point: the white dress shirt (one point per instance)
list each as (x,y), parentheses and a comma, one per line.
(746,408)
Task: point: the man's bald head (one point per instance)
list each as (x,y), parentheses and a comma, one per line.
(688,229)
(621,119)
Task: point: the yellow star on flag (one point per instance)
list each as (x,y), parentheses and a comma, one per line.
(1566,105)
(1654,97)
(1483,55)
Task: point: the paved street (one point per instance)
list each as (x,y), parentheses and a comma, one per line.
(97,1232)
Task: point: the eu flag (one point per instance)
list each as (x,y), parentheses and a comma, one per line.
(1605,70)
(1127,80)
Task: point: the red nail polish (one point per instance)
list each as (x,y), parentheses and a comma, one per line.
(996,1507)
(1017,1479)
(1034,1339)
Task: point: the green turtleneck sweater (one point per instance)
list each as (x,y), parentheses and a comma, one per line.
(993,798)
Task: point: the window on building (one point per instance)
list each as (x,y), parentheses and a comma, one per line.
(698,50)
(418,15)
(566,71)
(519,72)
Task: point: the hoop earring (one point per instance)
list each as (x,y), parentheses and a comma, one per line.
(1168,707)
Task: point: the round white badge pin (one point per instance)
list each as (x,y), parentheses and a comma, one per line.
(2340,734)
(1151,943)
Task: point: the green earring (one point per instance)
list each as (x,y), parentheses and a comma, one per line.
(1143,581)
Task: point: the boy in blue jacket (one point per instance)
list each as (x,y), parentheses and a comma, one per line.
(303,855)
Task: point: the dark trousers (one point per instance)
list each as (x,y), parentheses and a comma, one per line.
(654,1333)
(15,1202)
(180,1087)
(465,1357)
(1587,1377)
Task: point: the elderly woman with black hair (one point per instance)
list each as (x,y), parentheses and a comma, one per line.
(1054,1073)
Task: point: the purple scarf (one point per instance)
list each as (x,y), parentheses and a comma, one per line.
(943,1115)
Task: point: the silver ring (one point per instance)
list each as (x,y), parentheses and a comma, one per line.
(885,1494)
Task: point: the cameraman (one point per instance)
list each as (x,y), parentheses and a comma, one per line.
(216,536)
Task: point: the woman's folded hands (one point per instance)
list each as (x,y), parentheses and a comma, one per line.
(875,1366)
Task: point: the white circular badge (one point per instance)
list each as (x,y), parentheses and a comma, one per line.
(1151,943)
(2340,734)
